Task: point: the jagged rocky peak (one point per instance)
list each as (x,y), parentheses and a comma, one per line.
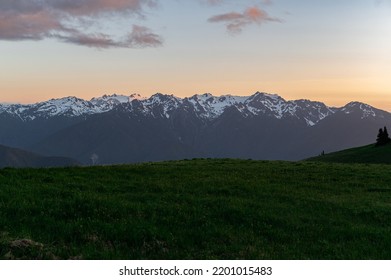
(264,103)
(159,99)
(209,106)
(356,105)
(258,96)
(200,97)
(65,102)
(269,100)
(63,106)
(116,98)
(136,96)
(361,108)
(306,104)
(159,105)
(204,96)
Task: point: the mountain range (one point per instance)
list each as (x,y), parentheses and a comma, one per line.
(116,129)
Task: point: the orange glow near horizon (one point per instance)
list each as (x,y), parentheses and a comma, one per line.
(335,93)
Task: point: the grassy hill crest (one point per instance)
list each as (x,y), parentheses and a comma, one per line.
(365,154)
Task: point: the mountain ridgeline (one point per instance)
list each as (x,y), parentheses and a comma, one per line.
(125,129)
(12,157)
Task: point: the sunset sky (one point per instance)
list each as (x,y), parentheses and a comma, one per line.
(334,51)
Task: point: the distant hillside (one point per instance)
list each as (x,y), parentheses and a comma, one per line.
(11,157)
(365,154)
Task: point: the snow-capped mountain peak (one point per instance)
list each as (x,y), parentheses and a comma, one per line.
(270,104)
(108,102)
(366,110)
(64,106)
(209,106)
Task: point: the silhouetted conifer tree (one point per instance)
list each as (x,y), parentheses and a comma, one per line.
(382,137)
(379,137)
(385,136)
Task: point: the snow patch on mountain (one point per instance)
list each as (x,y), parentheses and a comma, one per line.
(367,111)
(69,106)
(109,102)
(209,106)
(160,105)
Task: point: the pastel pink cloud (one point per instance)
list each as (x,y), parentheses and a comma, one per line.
(39,19)
(235,22)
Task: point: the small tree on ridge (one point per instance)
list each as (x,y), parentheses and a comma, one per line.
(382,137)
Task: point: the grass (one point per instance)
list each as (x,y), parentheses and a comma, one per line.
(197,209)
(365,154)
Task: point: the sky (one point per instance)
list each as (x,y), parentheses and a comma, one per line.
(334,51)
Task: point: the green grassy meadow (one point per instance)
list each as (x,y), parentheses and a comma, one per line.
(197,209)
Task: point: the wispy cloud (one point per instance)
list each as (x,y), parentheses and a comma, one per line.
(40,19)
(139,37)
(142,36)
(235,21)
(28,25)
(97,40)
